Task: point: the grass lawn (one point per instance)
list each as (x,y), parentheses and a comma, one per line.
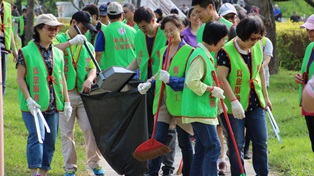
(292,157)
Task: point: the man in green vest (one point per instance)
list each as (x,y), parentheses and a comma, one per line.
(6,38)
(22,26)
(93,10)
(207,12)
(128,15)
(115,45)
(80,72)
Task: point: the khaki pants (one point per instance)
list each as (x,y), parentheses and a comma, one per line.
(93,154)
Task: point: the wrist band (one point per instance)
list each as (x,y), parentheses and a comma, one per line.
(234,100)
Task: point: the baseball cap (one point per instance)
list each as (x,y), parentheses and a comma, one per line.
(309,24)
(103,9)
(227,8)
(48,19)
(85,19)
(114,8)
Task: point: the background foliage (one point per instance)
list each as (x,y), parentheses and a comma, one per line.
(288,7)
(291,44)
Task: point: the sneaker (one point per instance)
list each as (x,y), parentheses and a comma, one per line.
(99,171)
(222,166)
(247,155)
(69,173)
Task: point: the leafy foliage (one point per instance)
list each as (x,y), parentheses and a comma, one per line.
(287,8)
(291,44)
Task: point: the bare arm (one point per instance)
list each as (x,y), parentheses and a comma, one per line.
(264,89)
(98,55)
(133,65)
(65,90)
(266,60)
(308,96)
(86,87)
(13,46)
(222,73)
(63,46)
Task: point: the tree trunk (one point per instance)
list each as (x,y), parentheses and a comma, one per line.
(266,10)
(29,20)
(310,2)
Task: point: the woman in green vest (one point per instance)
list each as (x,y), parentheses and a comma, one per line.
(307,71)
(241,72)
(200,98)
(42,87)
(172,74)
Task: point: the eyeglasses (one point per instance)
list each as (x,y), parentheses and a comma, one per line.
(170,30)
(51,29)
(102,16)
(255,38)
(126,11)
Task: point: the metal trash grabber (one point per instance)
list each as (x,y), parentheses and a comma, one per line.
(35,111)
(230,128)
(273,124)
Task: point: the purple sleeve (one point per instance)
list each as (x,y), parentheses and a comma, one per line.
(100,42)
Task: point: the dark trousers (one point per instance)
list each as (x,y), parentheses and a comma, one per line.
(310,126)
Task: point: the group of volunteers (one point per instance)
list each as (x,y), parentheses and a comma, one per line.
(186,71)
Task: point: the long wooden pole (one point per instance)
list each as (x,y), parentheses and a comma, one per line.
(1,125)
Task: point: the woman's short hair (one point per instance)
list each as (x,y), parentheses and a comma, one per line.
(173,19)
(36,36)
(248,26)
(213,32)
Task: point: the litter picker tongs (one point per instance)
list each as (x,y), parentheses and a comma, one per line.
(35,112)
(273,124)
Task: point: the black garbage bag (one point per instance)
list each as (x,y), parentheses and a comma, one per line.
(119,124)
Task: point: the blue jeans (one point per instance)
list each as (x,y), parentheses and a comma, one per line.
(255,123)
(40,155)
(184,143)
(4,62)
(207,150)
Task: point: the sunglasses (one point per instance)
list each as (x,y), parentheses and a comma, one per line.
(255,38)
(51,29)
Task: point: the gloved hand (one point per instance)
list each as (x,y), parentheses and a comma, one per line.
(237,109)
(32,105)
(218,92)
(144,87)
(67,111)
(220,109)
(164,76)
(78,39)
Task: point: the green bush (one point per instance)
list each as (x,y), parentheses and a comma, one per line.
(291,44)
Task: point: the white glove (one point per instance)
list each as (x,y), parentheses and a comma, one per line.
(78,39)
(32,105)
(237,110)
(164,76)
(218,92)
(220,109)
(144,87)
(67,111)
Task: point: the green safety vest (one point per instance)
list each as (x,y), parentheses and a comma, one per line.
(37,77)
(177,69)
(200,32)
(308,52)
(7,25)
(144,58)
(76,71)
(119,45)
(204,106)
(21,25)
(240,78)
(135,25)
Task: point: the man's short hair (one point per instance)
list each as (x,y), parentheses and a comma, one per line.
(144,14)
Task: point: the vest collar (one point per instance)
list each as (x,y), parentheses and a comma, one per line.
(201,45)
(241,51)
